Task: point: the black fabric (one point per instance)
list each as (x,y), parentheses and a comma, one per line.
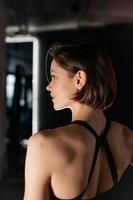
(100,141)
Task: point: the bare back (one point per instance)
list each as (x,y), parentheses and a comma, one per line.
(72,150)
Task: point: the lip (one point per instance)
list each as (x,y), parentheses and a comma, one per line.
(52,97)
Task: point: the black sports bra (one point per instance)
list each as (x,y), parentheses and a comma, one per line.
(100,141)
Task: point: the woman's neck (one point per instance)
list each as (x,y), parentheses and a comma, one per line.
(83,112)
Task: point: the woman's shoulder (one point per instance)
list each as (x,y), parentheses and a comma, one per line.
(45,153)
(54,144)
(50,134)
(123,137)
(55,134)
(39,142)
(122,129)
(44,138)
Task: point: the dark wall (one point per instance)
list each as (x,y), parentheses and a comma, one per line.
(118,40)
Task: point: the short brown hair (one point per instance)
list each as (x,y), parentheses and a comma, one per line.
(99,91)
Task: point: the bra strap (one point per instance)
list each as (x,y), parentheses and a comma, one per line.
(101,140)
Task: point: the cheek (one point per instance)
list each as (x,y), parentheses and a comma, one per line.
(64,88)
(68,89)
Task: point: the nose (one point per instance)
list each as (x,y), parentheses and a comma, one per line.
(48,87)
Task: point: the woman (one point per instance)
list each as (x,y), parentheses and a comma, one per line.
(89,156)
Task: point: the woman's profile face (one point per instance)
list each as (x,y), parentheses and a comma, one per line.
(62,87)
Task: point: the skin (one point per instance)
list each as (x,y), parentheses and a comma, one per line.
(62,157)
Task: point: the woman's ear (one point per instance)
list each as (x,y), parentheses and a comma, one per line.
(80,79)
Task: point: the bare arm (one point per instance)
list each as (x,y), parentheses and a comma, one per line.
(37,170)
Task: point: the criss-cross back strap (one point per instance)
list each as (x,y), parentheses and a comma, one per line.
(100,141)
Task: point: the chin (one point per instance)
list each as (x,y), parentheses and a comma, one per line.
(59,107)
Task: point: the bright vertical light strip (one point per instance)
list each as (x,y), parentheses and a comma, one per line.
(35,85)
(35,74)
